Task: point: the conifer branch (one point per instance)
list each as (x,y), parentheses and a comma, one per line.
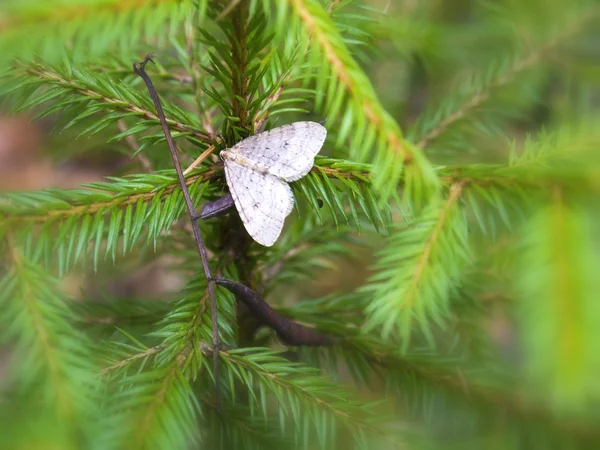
(498,397)
(485,91)
(56,356)
(262,116)
(195,76)
(416,278)
(391,152)
(272,371)
(239,54)
(124,194)
(78,87)
(125,362)
(431,252)
(560,290)
(121,201)
(346,70)
(145,425)
(47,350)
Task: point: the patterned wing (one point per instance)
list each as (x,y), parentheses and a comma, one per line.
(262,200)
(287,152)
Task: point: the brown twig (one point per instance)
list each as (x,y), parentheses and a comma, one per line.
(139,69)
(205,154)
(290,332)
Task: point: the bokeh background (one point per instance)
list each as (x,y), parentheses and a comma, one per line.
(473,84)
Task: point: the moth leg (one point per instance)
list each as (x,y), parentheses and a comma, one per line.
(217,208)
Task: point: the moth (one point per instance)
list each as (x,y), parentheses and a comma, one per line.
(258,170)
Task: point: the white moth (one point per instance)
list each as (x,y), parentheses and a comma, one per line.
(258,170)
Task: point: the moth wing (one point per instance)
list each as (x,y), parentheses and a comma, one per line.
(262,200)
(287,152)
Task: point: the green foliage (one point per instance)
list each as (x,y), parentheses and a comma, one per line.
(420,268)
(343,90)
(446,237)
(52,360)
(92,27)
(556,247)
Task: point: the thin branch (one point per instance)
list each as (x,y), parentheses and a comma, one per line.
(139,69)
(290,332)
(205,154)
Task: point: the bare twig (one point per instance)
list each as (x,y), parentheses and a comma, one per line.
(205,154)
(139,69)
(290,332)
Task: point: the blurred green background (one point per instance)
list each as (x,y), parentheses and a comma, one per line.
(501,100)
